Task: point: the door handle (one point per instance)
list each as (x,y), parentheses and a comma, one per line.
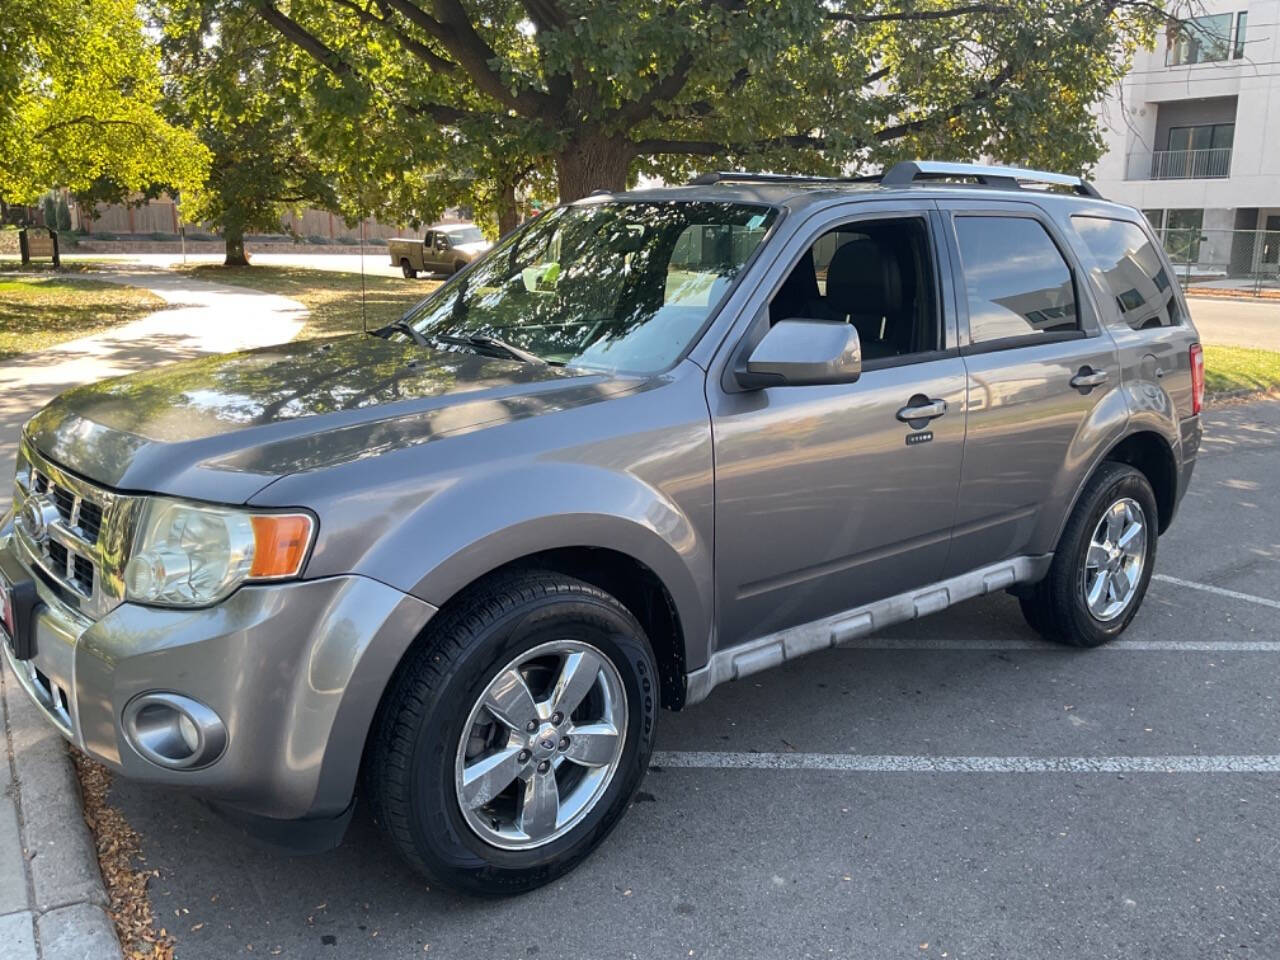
(922,411)
(1087,378)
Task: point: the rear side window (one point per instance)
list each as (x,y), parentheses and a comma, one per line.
(1131,270)
(1016,281)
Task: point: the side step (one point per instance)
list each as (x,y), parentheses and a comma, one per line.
(769,651)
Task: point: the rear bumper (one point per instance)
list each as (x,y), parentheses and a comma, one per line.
(1190,431)
(294,672)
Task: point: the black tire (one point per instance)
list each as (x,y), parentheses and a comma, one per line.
(459,266)
(1056,607)
(409,770)
(408,271)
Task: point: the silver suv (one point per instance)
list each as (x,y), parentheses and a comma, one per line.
(653,442)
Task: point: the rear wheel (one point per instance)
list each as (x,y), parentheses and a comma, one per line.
(513,738)
(1103,563)
(406,269)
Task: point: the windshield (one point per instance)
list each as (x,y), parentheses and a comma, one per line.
(617,286)
(464,235)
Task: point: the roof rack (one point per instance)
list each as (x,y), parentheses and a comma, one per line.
(1006,178)
(742,176)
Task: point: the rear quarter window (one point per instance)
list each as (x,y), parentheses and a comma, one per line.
(1131,271)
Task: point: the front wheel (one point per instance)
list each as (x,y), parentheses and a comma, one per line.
(515,734)
(459,266)
(1103,563)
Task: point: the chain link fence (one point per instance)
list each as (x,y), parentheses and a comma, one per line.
(1225,262)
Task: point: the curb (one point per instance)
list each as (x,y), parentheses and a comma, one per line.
(66,899)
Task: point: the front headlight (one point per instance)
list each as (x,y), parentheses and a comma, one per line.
(191,555)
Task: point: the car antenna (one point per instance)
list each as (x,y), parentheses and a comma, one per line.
(364,322)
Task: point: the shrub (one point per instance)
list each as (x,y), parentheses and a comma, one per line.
(49,208)
(317,239)
(64,215)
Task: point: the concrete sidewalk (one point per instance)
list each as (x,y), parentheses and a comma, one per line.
(202,318)
(52,899)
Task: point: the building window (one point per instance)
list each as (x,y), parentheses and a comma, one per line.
(1242,21)
(1182,236)
(1205,137)
(1199,40)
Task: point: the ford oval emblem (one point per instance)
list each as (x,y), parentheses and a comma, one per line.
(32,516)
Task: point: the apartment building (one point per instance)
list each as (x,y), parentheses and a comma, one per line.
(1193,137)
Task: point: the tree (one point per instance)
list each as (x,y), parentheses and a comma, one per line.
(49,207)
(64,215)
(79,99)
(237,86)
(599,91)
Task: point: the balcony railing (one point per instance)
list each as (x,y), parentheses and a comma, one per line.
(1212,162)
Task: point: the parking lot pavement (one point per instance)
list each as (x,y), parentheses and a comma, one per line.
(952,787)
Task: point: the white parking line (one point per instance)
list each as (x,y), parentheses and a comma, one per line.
(992,643)
(1210,588)
(860,763)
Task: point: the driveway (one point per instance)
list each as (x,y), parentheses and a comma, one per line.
(201,318)
(953,787)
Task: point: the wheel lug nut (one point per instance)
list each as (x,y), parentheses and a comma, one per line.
(531,726)
(524,756)
(557,717)
(564,743)
(544,766)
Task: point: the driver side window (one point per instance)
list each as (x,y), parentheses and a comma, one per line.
(875,274)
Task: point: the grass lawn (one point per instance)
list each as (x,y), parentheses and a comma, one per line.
(332,297)
(39,310)
(1240,370)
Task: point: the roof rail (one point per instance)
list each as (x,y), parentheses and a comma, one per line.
(743,176)
(1006,178)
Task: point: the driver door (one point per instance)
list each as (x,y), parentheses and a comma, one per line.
(825,498)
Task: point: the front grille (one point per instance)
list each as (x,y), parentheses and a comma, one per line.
(82,526)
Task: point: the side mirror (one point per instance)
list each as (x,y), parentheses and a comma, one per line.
(803,353)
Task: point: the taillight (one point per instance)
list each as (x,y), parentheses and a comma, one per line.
(1197,378)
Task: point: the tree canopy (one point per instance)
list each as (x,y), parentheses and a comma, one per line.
(79,103)
(598,92)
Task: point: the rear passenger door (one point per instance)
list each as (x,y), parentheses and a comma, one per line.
(1043,379)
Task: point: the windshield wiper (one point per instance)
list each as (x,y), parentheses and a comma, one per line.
(483,341)
(405,327)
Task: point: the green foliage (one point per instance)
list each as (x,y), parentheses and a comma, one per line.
(64,214)
(461,99)
(49,207)
(238,87)
(79,97)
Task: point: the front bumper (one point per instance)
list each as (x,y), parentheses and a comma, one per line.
(295,672)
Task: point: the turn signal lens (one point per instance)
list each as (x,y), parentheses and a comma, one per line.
(280,544)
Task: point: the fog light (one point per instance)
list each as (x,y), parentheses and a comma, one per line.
(174,731)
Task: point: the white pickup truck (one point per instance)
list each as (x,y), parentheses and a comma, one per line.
(445,249)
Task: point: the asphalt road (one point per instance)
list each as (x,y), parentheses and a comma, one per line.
(951,788)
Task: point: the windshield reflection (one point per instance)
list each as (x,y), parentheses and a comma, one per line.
(614,286)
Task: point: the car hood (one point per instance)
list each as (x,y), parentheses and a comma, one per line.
(474,249)
(222,427)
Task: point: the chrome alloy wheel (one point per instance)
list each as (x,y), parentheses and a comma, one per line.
(1115,558)
(541,745)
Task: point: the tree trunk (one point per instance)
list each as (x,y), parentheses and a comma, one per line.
(508,214)
(234,237)
(593,163)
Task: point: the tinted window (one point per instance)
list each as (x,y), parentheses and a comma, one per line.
(1016,280)
(1131,270)
(875,274)
(619,286)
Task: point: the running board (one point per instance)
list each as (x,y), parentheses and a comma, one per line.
(777,648)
